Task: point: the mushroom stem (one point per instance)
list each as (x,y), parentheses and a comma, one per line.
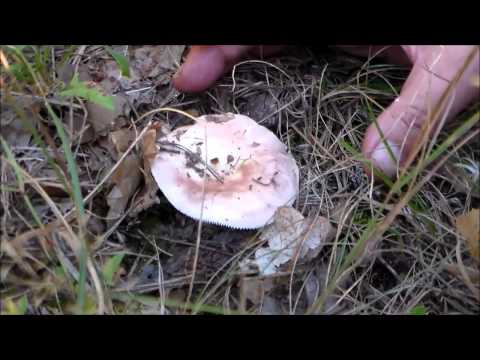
(192,154)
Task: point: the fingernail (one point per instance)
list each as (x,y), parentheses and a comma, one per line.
(382,159)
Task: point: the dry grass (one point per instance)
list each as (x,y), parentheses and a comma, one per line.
(319,103)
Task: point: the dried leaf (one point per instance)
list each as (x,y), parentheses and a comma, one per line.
(149,147)
(16,135)
(255,289)
(289,234)
(66,73)
(82,131)
(157,62)
(468,225)
(148,196)
(104,149)
(18,247)
(14,119)
(121,139)
(113,79)
(268,261)
(104,120)
(54,189)
(126,179)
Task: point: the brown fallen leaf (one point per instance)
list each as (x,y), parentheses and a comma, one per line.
(148,195)
(104,120)
(113,80)
(14,118)
(111,70)
(104,149)
(66,72)
(121,139)
(18,248)
(468,225)
(15,134)
(255,288)
(81,132)
(177,295)
(149,147)
(54,189)
(157,62)
(126,179)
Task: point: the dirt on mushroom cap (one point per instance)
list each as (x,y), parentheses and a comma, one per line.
(248,171)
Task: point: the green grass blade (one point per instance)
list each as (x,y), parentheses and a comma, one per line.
(121,61)
(78,88)
(418,310)
(155,302)
(77,195)
(111,267)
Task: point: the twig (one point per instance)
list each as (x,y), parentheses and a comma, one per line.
(195,156)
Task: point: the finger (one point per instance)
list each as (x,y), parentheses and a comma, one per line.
(204,65)
(401,123)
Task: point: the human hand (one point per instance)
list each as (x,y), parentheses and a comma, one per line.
(433,68)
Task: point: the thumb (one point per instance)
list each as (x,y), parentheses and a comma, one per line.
(434,67)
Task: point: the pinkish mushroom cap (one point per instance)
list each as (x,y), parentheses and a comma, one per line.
(249,174)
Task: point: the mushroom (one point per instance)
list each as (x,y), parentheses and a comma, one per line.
(239,170)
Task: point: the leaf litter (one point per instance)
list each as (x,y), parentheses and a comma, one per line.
(13,124)
(291,236)
(159,62)
(147,62)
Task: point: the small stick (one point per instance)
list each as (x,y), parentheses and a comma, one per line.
(195,156)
